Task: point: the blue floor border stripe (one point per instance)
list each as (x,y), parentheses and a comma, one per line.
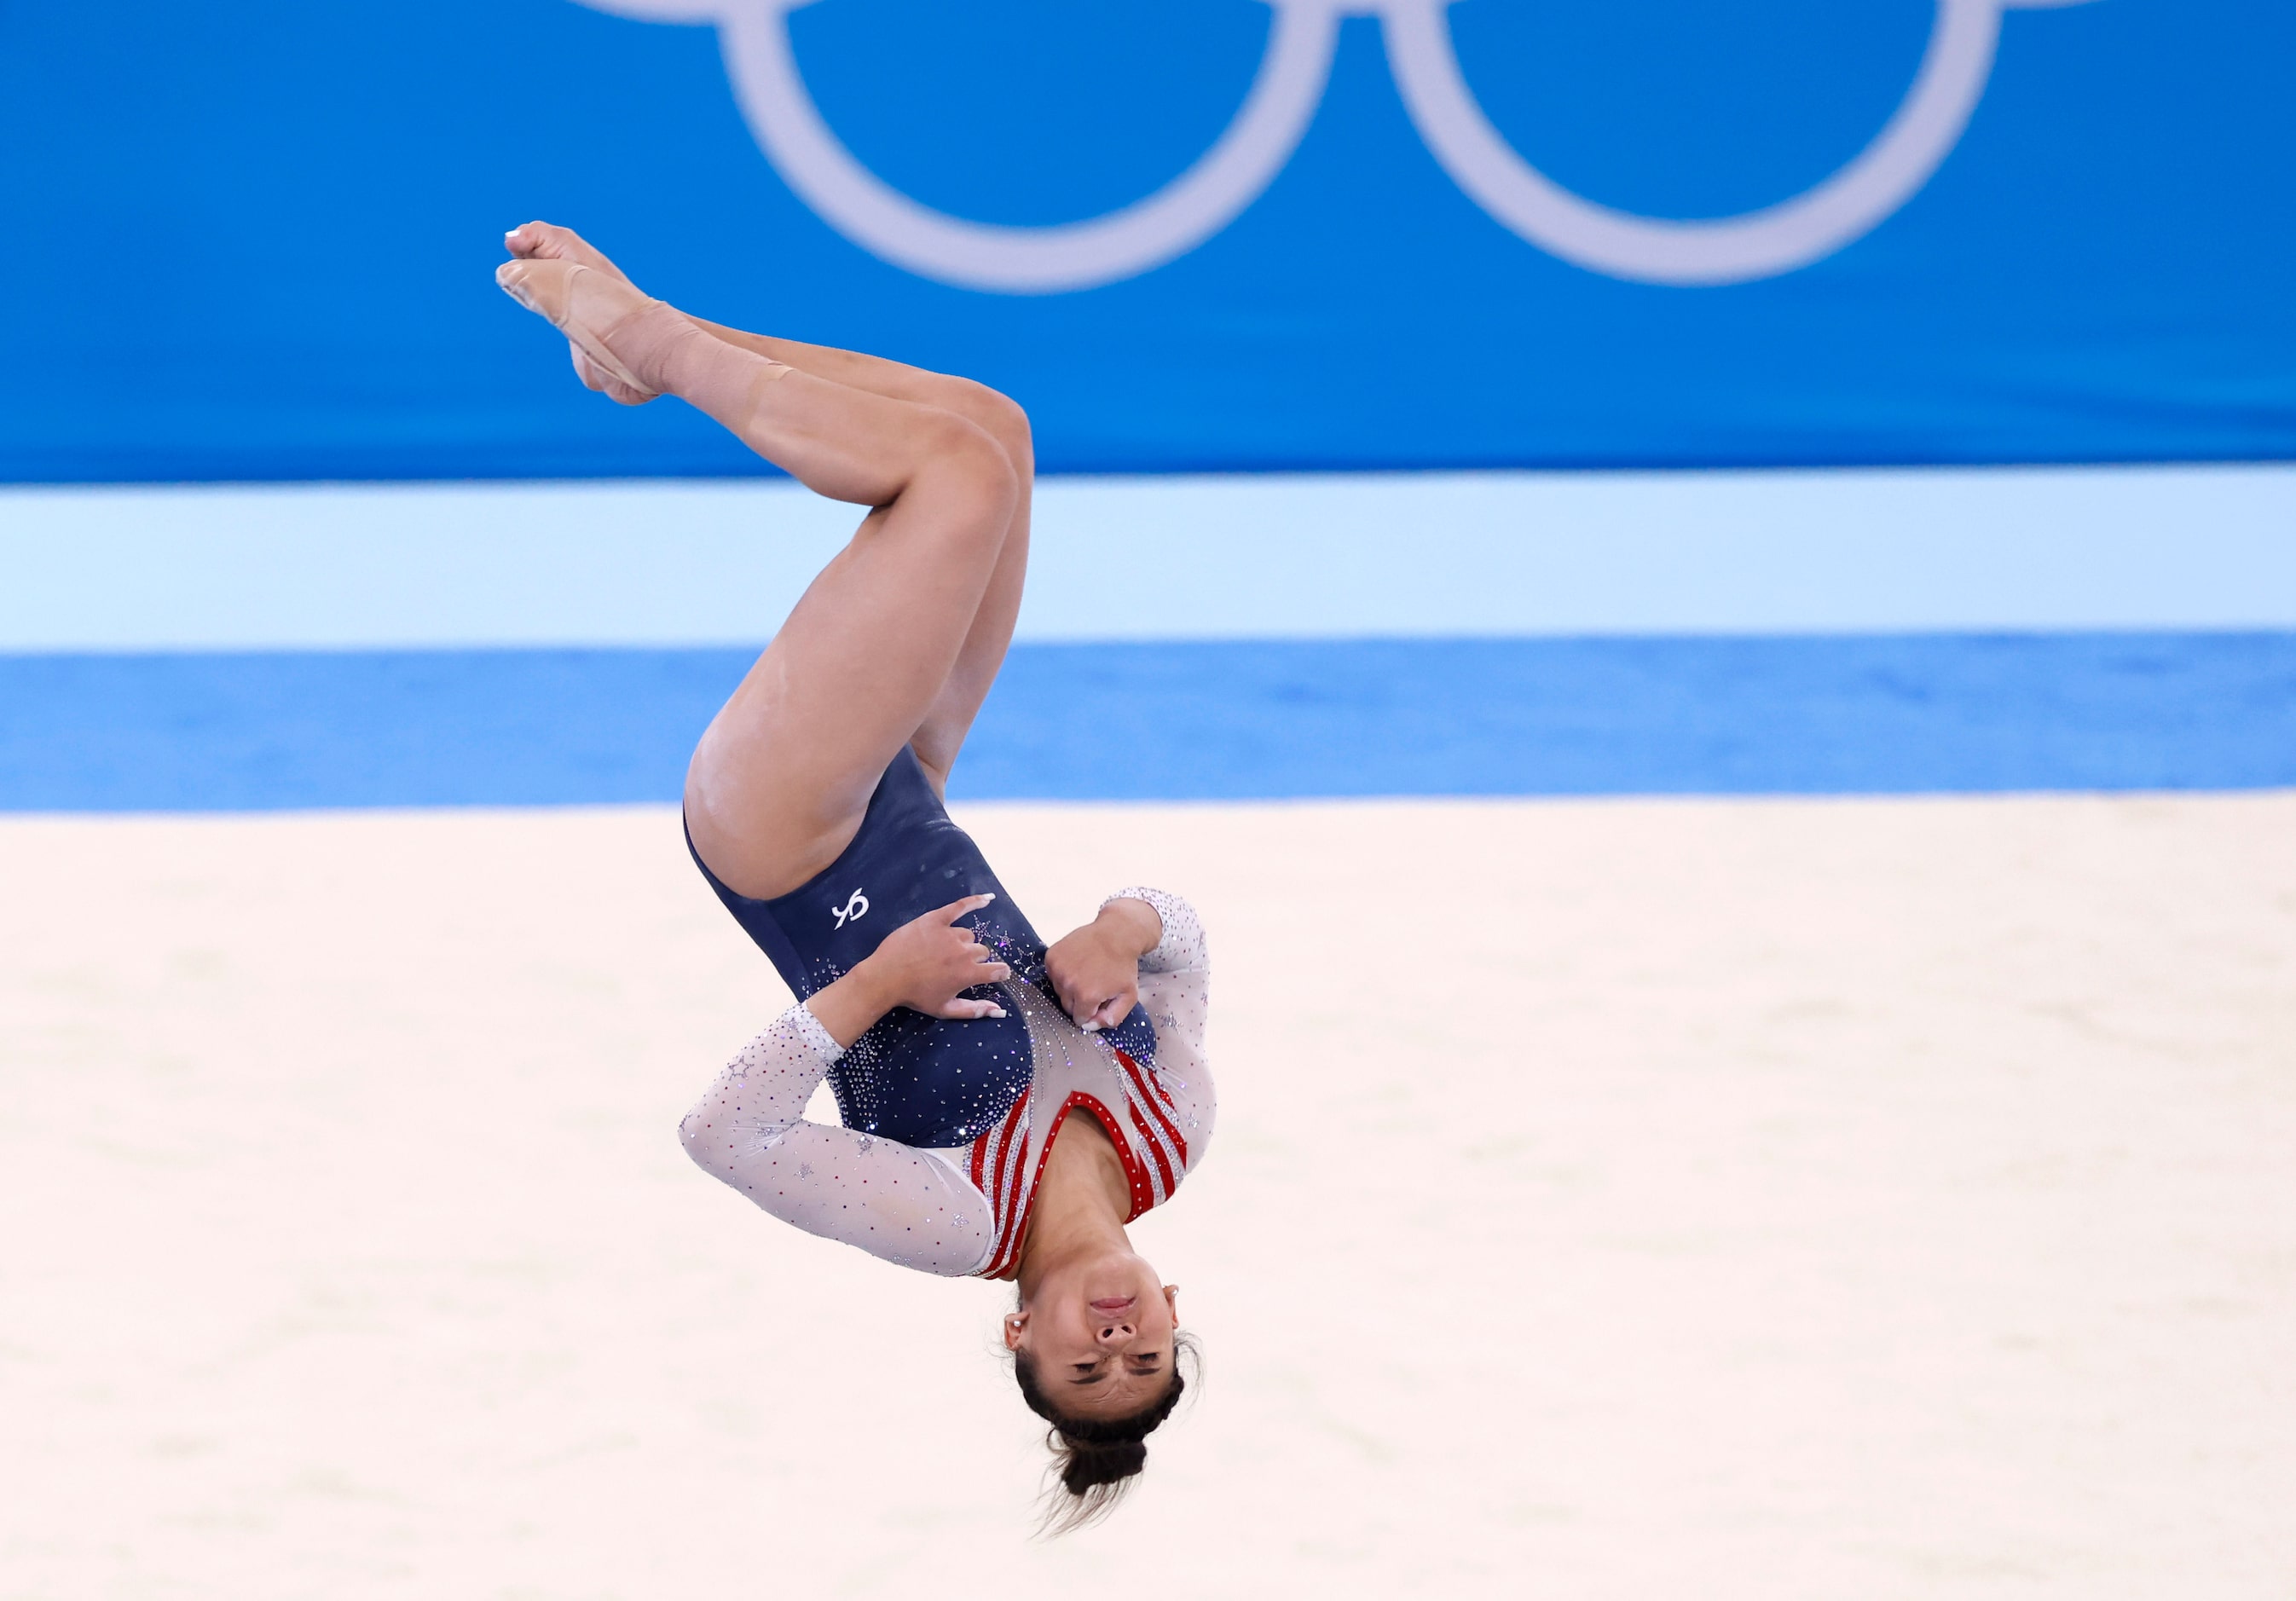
(1213,720)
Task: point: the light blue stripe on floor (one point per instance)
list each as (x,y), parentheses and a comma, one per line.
(1290,556)
(1223,719)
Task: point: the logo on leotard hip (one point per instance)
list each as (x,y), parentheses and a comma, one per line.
(855,908)
(1241,164)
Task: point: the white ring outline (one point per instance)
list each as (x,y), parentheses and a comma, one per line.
(1123,243)
(1846,205)
(1285,95)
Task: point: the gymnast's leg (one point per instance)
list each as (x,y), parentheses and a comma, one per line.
(941,734)
(870,658)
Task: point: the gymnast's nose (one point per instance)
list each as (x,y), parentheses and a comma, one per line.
(1113,1320)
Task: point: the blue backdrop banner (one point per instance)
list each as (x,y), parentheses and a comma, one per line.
(251,239)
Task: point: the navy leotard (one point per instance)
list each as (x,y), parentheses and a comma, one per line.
(929,1081)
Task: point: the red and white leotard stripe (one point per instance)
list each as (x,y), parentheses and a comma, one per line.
(1140,1112)
(965,1210)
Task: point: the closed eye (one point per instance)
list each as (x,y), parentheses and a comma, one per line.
(1140,1366)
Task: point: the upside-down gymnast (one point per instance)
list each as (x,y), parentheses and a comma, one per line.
(957,1043)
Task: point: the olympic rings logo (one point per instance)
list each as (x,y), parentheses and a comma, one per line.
(1282,100)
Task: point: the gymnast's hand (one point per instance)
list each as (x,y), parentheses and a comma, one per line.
(924,964)
(1097,970)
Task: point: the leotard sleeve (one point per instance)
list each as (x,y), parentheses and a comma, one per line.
(1176,986)
(906,1206)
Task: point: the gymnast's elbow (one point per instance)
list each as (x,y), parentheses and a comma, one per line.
(709,1140)
(727,1145)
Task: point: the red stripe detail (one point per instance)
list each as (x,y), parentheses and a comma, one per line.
(1001,1157)
(1004,1133)
(1150,1079)
(1154,1149)
(1152,1092)
(1011,1158)
(1143,1192)
(980,1161)
(989,1169)
(1011,1249)
(1010,1162)
(1171,1129)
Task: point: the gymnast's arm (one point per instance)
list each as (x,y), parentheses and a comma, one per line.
(907,1206)
(1147,944)
(1180,946)
(1176,986)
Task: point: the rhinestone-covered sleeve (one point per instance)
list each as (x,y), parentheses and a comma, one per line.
(1182,947)
(1176,986)
(906,1206)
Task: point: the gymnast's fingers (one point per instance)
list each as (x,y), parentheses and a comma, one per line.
(1076,1000)
(987,968)
(1116,1008)
(957,1006)
(958,908)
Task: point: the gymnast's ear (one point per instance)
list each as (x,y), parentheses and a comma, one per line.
(1015,1325)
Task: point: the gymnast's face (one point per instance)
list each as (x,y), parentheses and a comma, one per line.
(1100,1333)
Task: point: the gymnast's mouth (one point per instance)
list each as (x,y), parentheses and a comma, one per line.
(1114,1306)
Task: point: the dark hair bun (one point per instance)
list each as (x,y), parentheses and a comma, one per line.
(1097,1459)
(1091,1462)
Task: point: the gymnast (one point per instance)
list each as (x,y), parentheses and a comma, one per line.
(955,1041)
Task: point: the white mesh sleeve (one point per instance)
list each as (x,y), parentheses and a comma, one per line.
(1176,986)
(906,1206)
(1182,947)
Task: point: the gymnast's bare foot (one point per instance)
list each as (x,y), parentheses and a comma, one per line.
(547,241)
(627,337)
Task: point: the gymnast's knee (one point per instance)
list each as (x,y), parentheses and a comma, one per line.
(966,466)
(1000,417)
